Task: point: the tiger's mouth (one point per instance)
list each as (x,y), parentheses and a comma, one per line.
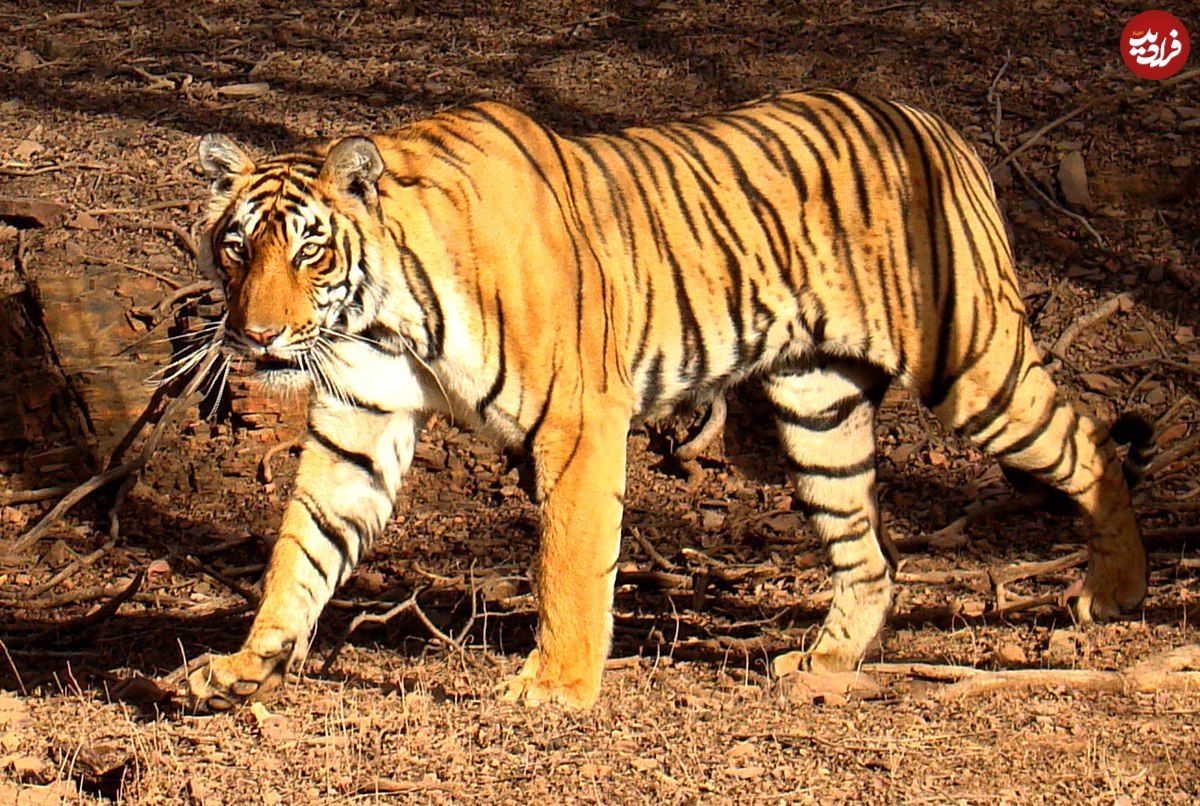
(267,363)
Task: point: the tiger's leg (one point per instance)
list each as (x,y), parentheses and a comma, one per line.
(350,470)
(1009,406)
(826,420)
(581,482)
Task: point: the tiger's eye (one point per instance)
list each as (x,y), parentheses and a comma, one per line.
(309,251)
(235,251)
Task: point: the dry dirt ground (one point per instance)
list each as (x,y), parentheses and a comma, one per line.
(100,107)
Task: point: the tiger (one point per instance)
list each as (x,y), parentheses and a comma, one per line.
(553,292)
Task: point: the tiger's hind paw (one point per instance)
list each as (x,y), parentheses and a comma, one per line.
(532,686)
(1110,589)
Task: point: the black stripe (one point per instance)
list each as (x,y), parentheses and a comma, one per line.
(1033,435)
(813,508)
(313,561)
(498,382)
(847,537)
(826,420)
(1001,401)
(362,461)
(653,388)
(421,288)
(844,472)
(328,530)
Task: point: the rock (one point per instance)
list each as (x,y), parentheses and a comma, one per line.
(32,212)
(83,221)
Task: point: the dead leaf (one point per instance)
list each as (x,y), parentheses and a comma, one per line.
(26,149)
(1072,178)
(787,663)
(139,690)
(642,764)
(12,709)
(746,773)
(25,60)
(272,727)
(1095,382)
(58,555)
(197,793)
(1062,648)
(741,751)
(23,765)
(158,571)
(251,90)
(32,212)
(590,770)
(370,581)
(1171,433)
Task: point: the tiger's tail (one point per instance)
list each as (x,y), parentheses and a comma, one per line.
(1136,431)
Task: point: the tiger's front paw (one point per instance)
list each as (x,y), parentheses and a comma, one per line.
(534,685)
(230,680)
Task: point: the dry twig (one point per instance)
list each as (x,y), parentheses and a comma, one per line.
(409,604)
(73,568)
(1014,573)
(1101,313)
(1174,669)
(33,496)
(100,614)
(653,553)
(264,465)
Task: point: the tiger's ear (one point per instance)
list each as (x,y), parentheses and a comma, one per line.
(353,167)
(222,159)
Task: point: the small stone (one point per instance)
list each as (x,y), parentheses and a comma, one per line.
(1062,648)
(1011,655)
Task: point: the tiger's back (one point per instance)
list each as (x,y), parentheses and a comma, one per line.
(704,251)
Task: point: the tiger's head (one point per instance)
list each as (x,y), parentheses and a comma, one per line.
(290,239)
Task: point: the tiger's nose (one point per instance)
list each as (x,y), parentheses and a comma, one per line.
(260,335)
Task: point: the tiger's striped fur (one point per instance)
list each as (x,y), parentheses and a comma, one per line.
(551,290)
